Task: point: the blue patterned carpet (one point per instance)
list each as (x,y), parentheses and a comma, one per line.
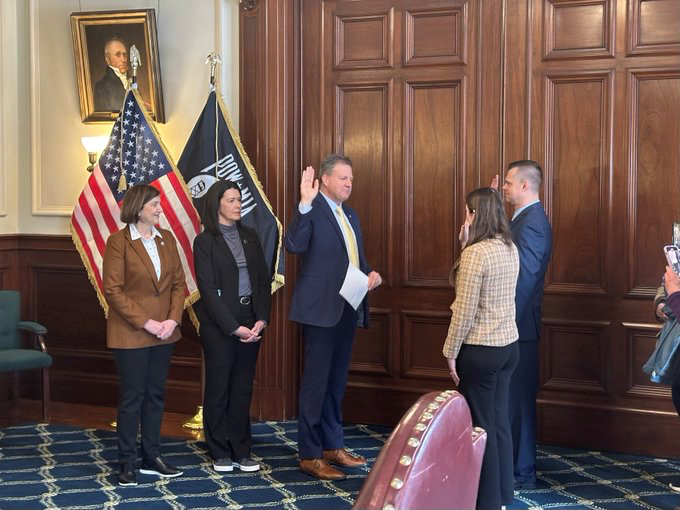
(58,467)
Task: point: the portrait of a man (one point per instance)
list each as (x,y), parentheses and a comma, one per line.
(109,91)
(102,43)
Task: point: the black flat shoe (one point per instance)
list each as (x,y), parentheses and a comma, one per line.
(127,476)
(160,468)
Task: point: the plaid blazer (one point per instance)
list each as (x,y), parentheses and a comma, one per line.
(484,310)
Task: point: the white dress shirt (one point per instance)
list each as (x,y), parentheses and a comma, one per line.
(149,246)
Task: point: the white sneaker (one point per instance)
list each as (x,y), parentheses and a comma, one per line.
(223,465)
(247,464)
(674,488)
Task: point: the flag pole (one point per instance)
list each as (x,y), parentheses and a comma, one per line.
(213,59)
(135,62)
(196,422)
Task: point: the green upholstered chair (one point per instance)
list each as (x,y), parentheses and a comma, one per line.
(13,357)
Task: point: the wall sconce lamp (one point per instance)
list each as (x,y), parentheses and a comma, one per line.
(93,145)
(248,5)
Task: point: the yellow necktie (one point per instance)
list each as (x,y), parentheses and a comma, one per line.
(352,249)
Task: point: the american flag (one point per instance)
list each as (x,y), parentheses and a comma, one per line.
(134,155)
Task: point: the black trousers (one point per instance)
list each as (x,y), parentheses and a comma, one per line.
(141,396)
(327,352)
(485,374)
(229,374)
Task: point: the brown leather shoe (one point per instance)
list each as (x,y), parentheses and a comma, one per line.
(342,457)
(321,469)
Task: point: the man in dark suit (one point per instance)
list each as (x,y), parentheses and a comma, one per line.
(109,91)
(532,235)
(327,236)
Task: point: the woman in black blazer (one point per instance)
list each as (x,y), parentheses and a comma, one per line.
(235,286)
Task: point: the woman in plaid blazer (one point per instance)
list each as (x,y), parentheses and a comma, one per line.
(481,345)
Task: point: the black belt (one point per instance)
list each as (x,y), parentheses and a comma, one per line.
(245,300)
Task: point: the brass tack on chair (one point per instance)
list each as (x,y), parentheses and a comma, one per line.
(440,398)
(396,483)
(388,506)
(413,442)
(433,405)
(405,460)
(426,416)
(420,427)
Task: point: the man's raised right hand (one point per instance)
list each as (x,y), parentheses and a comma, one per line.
(309,187)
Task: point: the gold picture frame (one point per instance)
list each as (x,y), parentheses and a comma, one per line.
(101,37)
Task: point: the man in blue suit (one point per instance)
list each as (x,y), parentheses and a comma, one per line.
(326,235)
(532,235)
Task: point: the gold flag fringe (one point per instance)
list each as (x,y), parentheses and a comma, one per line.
(88,269)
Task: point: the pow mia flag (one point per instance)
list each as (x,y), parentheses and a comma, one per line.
(204,161)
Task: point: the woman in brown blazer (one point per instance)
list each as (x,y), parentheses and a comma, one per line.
(144,288)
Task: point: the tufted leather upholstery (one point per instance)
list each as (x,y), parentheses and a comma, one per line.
(432,459)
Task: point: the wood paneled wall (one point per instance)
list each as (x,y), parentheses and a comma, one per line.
(431,98)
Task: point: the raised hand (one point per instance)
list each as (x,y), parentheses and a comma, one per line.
(464,234)
(309,187)
(494,183)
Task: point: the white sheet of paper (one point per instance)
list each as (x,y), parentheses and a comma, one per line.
(355,286)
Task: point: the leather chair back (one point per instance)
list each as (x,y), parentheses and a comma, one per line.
(432,459)
(9,317)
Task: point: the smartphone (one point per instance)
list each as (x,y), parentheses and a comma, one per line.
(672,253)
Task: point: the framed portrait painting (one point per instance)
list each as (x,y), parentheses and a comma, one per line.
(101,45)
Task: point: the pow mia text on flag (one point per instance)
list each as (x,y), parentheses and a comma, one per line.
(227,170)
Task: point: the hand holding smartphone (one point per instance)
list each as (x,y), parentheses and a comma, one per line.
(672,253)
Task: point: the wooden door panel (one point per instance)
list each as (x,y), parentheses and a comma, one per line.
(654,173)
(577,140)
(653,27)
(432,166)
(640,342)
(435,36)
(575,356)
(363,39)
(372,347)
(363,125)
(423,332)
(578,28)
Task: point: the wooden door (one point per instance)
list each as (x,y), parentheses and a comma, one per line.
(430,99)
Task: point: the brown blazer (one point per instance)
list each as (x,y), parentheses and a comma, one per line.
(135,295)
